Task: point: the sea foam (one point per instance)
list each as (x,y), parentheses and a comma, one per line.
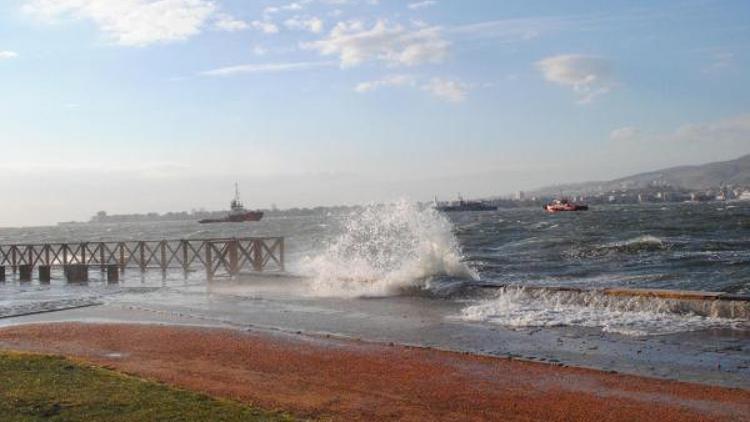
(634,316)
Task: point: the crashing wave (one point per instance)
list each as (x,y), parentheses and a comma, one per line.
(634,316)
(386,249)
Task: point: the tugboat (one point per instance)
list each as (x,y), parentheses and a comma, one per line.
(462,205)
(560,205)
(237,212)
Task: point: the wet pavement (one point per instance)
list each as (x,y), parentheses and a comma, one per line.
(713,356)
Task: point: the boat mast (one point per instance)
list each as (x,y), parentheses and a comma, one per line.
(236,204)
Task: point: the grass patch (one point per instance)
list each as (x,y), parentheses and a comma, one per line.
(35,387)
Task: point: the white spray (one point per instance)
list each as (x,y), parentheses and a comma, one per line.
(385,249)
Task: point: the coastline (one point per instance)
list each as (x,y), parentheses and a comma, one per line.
(315,376)
(707,356)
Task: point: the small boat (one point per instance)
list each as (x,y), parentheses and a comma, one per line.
(237,212)
(561,205)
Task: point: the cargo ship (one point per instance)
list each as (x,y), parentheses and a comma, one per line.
(463,205)
(237,212)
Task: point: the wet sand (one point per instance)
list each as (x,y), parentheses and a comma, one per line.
(315,376)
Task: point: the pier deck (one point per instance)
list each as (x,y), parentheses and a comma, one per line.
(218,257)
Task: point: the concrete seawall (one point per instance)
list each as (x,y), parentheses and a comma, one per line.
(709,304)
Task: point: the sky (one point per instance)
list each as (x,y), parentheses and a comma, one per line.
(161,105)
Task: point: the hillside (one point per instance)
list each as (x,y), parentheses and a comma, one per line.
(733,172)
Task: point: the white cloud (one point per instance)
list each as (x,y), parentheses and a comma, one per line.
(421,4)
(228,23)
(625,133)
(313,24)
(388,81)
(720,61)
(8,54)
(132,22)
(267,27)
(730,130)
(265,68)
(393,44)
(693,142)
(726,132)
(291,7)
(453,91)
(512,30)
(270,10)
(443,89)
(588,76)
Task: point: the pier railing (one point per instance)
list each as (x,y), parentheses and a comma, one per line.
(218,257)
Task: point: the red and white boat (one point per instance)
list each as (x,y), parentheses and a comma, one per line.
(561,205)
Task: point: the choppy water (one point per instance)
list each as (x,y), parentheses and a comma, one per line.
(403,249)
(676,246)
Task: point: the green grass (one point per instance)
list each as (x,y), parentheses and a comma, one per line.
(34,387)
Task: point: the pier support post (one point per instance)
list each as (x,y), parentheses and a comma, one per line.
(233,258)
(185,265)
(122,257)
(258,255)
(163,259)
(2,274)
(45,273)
(142,263)
(24,272)
(101,257)
(13,263)
(209,262)
(46,255)
(77,273)
(113,274)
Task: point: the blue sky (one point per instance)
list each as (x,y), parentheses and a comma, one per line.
(138,105)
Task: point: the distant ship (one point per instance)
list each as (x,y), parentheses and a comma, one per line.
(561,205)
(237,212)
(462,205)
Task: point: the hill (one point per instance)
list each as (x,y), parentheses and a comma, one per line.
(699,177)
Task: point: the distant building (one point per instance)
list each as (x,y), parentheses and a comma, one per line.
(99,217)
(520,195)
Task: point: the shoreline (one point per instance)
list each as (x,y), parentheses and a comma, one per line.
(714,356)
(347,379)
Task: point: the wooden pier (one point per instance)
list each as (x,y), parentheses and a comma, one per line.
(217,257)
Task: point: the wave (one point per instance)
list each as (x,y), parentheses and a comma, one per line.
(632,316)
(36,307)
(385,250)
(633,246)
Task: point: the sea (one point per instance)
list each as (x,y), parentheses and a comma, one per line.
(501,268)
